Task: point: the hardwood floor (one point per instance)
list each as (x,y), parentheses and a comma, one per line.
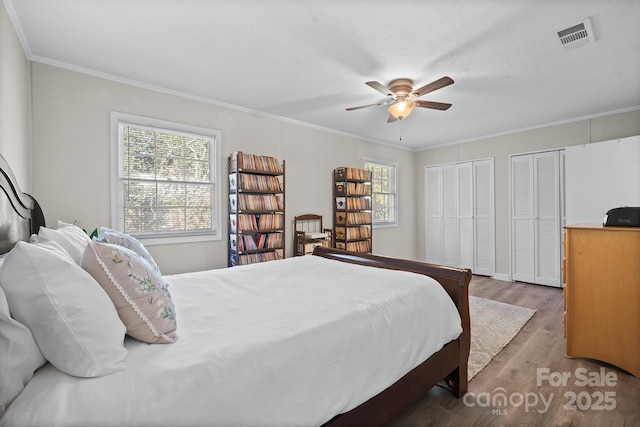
(528,374)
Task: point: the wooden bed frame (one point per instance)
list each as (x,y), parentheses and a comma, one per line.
(21,216)
(448,366)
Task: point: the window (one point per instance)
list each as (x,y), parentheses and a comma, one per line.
(384,191)
(165,179)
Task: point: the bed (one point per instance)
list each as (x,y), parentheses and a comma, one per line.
(334,338)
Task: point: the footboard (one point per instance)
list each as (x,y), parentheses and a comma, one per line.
(449,365)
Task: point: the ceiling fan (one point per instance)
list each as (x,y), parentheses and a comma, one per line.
(404,98)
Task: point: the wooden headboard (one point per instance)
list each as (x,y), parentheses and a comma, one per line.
(20,214)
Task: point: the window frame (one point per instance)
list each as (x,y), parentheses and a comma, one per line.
(394,166)
(117,166)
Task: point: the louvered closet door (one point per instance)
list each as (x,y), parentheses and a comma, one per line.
(535,218)
(547,218)
(465,215)
(522,218)
(434,215)
(460,227)
(449,216)
(483,218)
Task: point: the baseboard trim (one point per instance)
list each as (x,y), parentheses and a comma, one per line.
(500,276)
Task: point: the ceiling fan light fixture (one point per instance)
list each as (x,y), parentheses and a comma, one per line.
(404,98)
(401,109)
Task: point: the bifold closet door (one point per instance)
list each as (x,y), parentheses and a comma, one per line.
(442,215)
(450,254)
(522,248)
(465,214)
(434,215)
(483,226)
(535,218)
(547,219)
(460,215)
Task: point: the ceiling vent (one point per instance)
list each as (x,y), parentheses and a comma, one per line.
(577,35)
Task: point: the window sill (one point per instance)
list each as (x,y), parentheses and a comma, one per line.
(385,225)
(171,240)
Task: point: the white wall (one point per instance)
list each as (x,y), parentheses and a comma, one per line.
(71,159)
(15,97)
(601,176)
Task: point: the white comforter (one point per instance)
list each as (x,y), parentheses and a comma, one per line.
(282,343)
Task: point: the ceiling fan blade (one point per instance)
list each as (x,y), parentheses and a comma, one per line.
(391,118)
(379,104)
(381,88)
(438,84)
(435,105)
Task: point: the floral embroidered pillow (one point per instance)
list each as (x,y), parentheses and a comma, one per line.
(122,239)
(138,291)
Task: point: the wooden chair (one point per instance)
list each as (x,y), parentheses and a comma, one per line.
(309,233)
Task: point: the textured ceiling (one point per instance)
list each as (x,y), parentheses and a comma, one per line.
(307,61)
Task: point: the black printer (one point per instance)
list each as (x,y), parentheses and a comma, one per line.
(626,216)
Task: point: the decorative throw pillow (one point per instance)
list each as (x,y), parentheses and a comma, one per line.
(122,239)
(69,236)
(19,355)
(138,291)
(71,318)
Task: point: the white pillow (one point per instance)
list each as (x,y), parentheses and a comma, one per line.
(19,355)
(69,236)
(71,318)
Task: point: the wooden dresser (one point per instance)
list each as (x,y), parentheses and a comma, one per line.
(601,273)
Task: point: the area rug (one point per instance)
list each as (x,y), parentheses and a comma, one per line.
(493,326)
